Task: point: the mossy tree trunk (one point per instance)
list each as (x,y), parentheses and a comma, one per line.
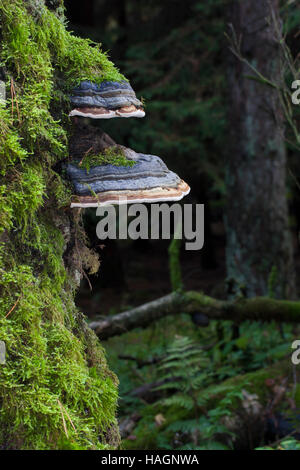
(259,247)
(56,390)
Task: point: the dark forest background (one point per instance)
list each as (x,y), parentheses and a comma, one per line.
(177,58)
(172,53)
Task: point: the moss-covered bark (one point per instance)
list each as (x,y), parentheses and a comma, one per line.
(56,390)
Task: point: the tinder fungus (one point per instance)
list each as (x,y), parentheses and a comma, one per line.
(105,101)
(145,178)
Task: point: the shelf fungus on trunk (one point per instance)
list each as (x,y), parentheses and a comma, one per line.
(131,178)
(105,101)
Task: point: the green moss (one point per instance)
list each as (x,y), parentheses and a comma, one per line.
(56,391)
(111,155)
(44,38)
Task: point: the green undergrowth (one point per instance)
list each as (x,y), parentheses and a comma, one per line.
(110,156)
(227,367)
(56,390)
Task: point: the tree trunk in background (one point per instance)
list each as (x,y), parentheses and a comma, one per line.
(259,247)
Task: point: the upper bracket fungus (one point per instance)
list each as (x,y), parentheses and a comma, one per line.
(105,101)
(104,173)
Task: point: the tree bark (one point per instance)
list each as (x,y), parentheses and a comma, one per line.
(259,248)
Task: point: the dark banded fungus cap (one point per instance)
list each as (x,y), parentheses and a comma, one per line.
(148,180)
(105,101)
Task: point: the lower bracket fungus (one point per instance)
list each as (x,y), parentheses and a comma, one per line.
(105,101)
(144,179)
(104,173)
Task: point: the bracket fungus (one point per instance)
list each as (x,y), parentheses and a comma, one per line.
(147,179)
(104,173)
(105,101)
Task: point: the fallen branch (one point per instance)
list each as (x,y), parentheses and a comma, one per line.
(258,308)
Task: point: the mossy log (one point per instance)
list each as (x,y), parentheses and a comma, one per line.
(259,308)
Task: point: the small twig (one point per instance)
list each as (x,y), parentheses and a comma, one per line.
(87,278)
(63,418)
(68,416)
(275,443)
(14,306)
(86,153)
(289,65)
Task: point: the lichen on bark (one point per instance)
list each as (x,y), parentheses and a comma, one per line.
(56,390)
